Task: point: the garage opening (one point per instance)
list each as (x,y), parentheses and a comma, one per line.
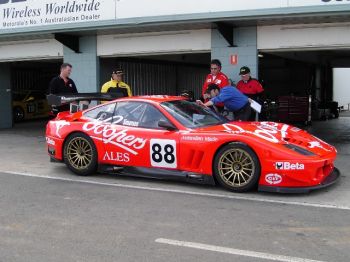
(160,74)
(29,85)
(313,75)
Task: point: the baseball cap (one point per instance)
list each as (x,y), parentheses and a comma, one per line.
(118,71)
(244,70)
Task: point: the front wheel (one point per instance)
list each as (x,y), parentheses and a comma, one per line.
(80,154)
(237,167)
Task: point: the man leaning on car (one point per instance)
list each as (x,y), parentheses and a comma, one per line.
(232,99)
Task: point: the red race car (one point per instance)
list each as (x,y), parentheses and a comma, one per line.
(172,138)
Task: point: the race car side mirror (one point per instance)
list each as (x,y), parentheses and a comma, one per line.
(166,125)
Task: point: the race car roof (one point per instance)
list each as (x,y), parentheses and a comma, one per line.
(154,98)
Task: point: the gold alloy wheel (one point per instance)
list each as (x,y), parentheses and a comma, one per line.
(236,167)
(79,153)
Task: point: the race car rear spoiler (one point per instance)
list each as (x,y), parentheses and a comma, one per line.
(63,99)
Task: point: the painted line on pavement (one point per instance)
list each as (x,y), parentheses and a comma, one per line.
(185,192)
(233,251)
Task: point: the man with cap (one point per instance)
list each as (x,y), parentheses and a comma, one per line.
(116,83)
(248,85)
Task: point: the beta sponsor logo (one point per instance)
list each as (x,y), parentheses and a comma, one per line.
(273,179)
(289,166)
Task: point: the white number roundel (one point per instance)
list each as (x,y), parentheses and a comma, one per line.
(163,153)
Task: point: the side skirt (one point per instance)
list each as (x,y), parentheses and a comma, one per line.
(156,173)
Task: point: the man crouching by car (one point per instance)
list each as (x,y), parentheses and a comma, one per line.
(232,99)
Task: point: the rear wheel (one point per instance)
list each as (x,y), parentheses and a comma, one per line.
(80,154)
(237,167)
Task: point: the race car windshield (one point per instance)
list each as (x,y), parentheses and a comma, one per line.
(191,115)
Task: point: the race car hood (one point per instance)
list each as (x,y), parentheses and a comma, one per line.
(276,133)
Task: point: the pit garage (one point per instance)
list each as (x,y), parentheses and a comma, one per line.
(158,62)
(305,62)
(27,66)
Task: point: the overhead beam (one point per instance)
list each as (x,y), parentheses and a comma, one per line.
(226,30)
(70,41)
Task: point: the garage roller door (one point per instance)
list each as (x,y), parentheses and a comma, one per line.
(189,41)
(304,37)
(30,50)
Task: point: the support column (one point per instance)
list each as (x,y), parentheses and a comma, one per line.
(245,41)
(86,65)
(5,97)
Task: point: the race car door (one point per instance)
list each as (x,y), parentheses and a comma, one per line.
(135,139)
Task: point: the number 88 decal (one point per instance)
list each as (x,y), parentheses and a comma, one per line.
(163,153)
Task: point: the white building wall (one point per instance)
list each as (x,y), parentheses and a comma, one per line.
(341,89)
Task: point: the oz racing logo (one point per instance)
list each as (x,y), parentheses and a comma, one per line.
(2,2)
(289,166)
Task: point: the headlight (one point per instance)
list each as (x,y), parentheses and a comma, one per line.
(299,150)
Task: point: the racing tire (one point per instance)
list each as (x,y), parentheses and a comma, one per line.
(237,167)
(80,154)
(18,114)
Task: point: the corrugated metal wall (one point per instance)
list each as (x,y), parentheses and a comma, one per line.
(149,78)
(144,77)
(24,79)
(152,78)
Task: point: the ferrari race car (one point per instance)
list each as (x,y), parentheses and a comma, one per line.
(171,138)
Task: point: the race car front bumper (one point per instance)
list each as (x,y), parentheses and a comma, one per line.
(331,179)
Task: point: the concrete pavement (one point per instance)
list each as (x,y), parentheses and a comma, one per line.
(51,220)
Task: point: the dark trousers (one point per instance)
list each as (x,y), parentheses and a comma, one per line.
(243,114)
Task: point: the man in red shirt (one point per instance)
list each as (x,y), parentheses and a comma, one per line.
(215,77)
(248,85)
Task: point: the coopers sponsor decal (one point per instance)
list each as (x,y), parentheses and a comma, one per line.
(119,138)
(268,131)
(273,179)
(289,166)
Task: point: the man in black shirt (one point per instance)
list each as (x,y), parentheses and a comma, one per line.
(62,84)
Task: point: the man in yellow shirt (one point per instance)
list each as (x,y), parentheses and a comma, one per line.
(115,83)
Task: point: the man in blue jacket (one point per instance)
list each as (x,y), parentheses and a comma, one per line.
(233,100)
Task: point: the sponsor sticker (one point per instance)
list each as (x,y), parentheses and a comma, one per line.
(289,166)
(117,157)
(163,153)
(59,125)
(116,137)
(273,179)
(50,141)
